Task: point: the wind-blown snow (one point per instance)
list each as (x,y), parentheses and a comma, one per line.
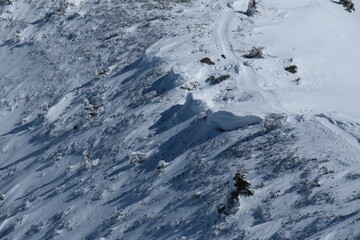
(113,128)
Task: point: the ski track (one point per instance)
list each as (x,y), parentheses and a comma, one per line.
(248,74)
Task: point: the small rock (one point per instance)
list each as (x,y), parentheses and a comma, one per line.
(161,165)
(292,69)
(297,81)
(190,86)
(102,72)
(348,5)
(255,52)
(212,80)
(138,157)
(207,61)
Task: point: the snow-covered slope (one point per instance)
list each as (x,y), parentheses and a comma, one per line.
(177,120)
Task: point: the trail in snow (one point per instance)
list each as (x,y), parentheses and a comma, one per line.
(223,30)
(247,79)
(318,81)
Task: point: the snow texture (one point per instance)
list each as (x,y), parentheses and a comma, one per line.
(110,128)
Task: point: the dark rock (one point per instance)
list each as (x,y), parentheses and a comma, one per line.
(207,61)
(212,80)
(252,8)
(241,187)
(292,69)
(255,52)
(348,5)
(297,81)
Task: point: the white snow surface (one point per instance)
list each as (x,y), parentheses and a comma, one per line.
(113,128)
(240,5)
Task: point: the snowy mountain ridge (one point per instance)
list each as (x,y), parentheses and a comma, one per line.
(179,120)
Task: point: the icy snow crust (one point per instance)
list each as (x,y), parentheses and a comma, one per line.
(110,129)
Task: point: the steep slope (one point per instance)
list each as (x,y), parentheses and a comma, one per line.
(151,120)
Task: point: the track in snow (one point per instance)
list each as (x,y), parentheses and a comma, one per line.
(247,79)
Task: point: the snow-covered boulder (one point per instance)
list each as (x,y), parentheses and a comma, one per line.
(228,121)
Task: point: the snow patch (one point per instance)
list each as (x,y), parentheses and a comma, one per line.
(228,121)
(240,5)
(56,110)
